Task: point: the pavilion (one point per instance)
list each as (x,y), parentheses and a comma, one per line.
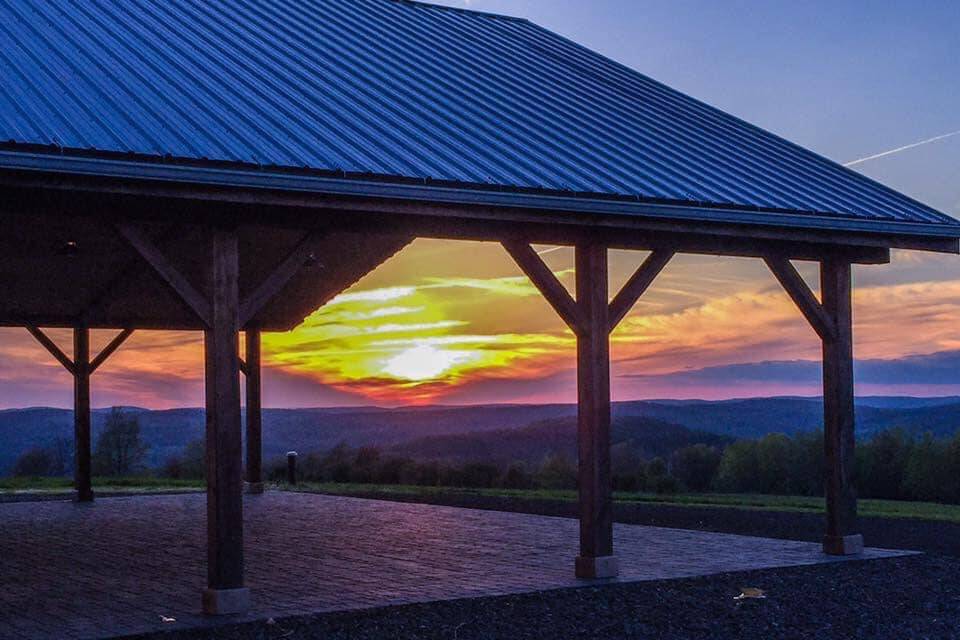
(231,168)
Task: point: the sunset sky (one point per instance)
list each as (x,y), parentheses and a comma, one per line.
(457,323)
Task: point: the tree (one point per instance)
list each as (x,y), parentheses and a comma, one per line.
(882,464)
(774,452)
(696,466)
(424,474)
(392,470)
(33,463)
(61,457)
(658,478)
(365,465)
(626,467)
(807,464)
(557,472)
(336,464)
(927,470)
(516,477)
(739,467)
(120,450)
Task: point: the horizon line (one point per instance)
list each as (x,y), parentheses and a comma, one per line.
(416,407)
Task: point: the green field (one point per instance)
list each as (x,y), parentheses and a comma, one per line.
(59,485)
(878,508)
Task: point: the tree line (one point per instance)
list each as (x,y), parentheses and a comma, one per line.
(119,451)
(893,465)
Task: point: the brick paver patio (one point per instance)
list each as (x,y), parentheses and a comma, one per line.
(117,566)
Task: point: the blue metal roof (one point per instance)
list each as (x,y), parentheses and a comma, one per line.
(396,90)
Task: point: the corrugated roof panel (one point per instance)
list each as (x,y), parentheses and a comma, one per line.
(394,89)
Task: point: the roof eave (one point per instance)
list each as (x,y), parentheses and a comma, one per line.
(939,237)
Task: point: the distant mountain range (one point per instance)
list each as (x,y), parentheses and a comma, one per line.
(520,430)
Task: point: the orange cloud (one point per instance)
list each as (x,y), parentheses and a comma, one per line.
(458,322)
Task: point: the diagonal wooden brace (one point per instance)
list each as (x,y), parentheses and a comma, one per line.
(170,274)
(803,297)
(548,284)
(52,347)
(274,283)
(110,349)
(637,285)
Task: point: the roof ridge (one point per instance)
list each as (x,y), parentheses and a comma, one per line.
(444,7)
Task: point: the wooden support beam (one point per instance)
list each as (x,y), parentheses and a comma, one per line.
(123,274)
(168,273)
(52,347)
(593,416)
(638,283)
(801,295)
(274,283)
(841,537)
(254,467)
(110,349)
(81,414)
(80,368)
(224,461)
(548,284)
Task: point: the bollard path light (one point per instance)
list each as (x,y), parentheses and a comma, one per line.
(292,467)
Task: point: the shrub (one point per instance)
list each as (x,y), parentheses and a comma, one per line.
(190,464)
(33,463)
(665,484)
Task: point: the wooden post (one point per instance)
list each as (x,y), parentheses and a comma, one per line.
(81,414)
(591,317)
(254,469)
(838,411)
(225,593)
(593,422)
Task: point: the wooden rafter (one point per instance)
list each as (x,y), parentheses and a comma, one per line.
(52,347)
(170,274)
(123,274)
(277,280)
(802,296)
(109,349)
(638,283)
(548,284)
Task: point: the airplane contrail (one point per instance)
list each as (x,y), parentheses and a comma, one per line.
(550,250)
(899,149)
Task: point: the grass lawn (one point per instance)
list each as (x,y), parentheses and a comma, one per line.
(61,484)
(877,508)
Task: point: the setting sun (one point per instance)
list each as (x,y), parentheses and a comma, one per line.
(425,362)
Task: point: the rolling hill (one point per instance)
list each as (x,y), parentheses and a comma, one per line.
(167,432)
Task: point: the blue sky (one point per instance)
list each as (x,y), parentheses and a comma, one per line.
(845,79)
